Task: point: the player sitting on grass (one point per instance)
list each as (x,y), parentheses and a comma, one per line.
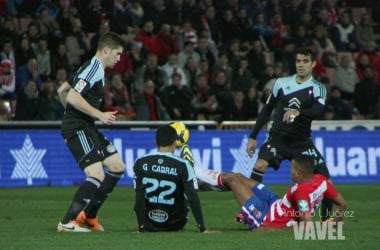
(262,209)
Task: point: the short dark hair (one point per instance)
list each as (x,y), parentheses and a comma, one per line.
(165,136)
(307,51)
(304,164)
(111,40)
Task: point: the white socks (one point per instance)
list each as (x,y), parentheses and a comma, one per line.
(209,176)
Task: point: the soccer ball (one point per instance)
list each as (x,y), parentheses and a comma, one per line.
(183,133)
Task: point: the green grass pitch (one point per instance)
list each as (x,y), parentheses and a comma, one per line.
(29,216)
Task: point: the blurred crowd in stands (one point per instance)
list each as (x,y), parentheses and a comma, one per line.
(189,59)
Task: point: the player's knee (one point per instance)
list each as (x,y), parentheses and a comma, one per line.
(231,179)
(117,167)
(261,166)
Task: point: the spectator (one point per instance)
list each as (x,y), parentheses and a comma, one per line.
(121,17)
(49,106)
(136,56)
(264,31)
(8,85)
(43,56)
(222,64)
(77,44)
(8,31)
(324,46)
(59,58)
(148,105)
(337,106)
(245,24)
(234,53)
(204,51)
(343,34)
(60,76)
(307,21)
(204,103)
(204,68)
(346,77)
(188,51)
(228,28)
(301,38)
(172,67)
(116,97)
(187,34)
(28,72)
(369,52)
(282,33)
(221,89)
(24,52)
(151,71)
(33,33)
(177,99)
(156,11)
(166,43)
(367,94)
(236,110)
(242,77)
(210,24)
(46,21)
(191,71)
(251,101)
(147,38)
(137,12)
(27,102)
(364,31)
(256,59)
(8,53)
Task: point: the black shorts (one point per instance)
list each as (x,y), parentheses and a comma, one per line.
(89,146)
(276,149)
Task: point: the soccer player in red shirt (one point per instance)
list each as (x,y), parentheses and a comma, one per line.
(262,209)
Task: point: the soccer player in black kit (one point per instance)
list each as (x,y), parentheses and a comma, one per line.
(81,96)
(165,185)
(296,100)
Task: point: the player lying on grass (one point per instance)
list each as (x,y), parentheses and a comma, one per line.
(262,209)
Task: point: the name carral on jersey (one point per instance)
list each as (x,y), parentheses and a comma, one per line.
(164,170)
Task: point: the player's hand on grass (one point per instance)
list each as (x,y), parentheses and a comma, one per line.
(251,147)
(210,231)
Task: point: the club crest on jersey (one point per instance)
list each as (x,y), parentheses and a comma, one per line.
(80,85)
(303,205)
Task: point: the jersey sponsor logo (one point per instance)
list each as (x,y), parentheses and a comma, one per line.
(294,102)
(158,215)
(303,205)
(80,85)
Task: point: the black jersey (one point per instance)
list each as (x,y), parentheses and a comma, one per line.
(89,82)
(308,98)
(164,183)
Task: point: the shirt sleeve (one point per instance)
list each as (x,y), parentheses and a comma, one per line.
(194,201)
(319,102)
(265,113)
(139,199)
